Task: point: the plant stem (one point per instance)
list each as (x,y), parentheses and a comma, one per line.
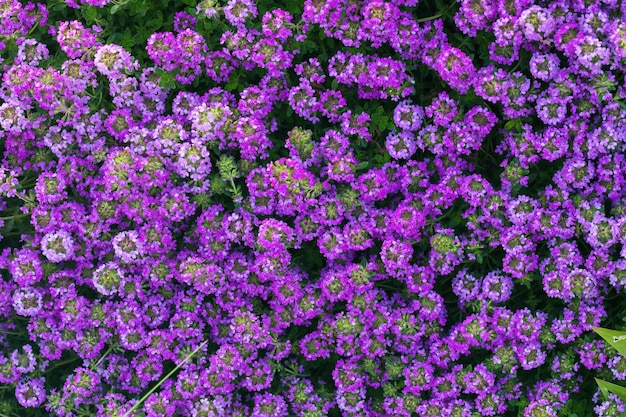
(142,399)
(433,17)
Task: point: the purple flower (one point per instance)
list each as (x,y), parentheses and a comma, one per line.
(536,23)
(497,287)
(183,21)
(530,355)
(401,145)
(30,392)
(58,246)
(26,267)
(613,406)
(112,60)
(269,405)
(107,278)
(27,301)
(455,67)
(408,116)
(466,286)
(128,246)
(51,188)
(238,11)
(277,23)
(25,361)
(75,40)
(540,407)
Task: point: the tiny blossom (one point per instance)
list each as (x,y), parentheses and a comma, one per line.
(544,66)
(497,287)
(540,408)
(536,23)
(238,11)
(613,406)
(51,188)
(30,52)
(276,23)
(58,246)
(466,286)
(408,116)
(30,392)
(26,267)
(111,60)
(107,278)
(401,145)
(24,361)
(128,246)
(183,21)
(27,301)
(74,39)
(530,355)
(455,67)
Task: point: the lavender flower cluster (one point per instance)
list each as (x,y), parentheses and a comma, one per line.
(314,280)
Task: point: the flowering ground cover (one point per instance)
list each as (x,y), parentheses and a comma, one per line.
(318,208)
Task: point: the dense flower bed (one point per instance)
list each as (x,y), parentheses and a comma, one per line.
(342,208)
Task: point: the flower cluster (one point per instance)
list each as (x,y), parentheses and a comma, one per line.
(335,209)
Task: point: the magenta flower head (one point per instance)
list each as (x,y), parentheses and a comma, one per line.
(30,392)
(408,116)
(238,11)
(58,246)
(24,361)
(277,24)
(74,39)
(107,278)
(27,301)
(26,268)
(113,60)
(50,188)
(128,246)
(183,20)
(401,145)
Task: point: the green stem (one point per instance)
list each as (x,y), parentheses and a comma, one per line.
(25,199)
(15,216)
(433,17)
(234,188)
(102,357)
(30,32)
(142,399)
(57,365)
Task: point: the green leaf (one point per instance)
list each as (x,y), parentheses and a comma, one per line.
(382,122)
(115,8)
(167,80)
(9,224)
(615,338)
(362,166)
(510,125)
(89,13)
(479,258)
(456,220)
(127,41)
(231,85)
(607,387)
